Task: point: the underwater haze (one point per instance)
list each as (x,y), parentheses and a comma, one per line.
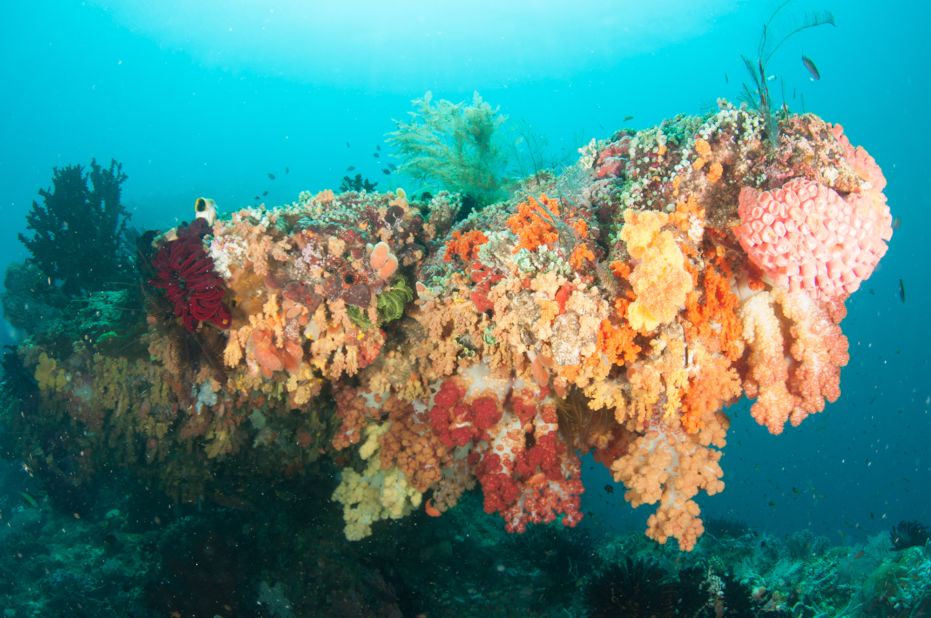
(243,402)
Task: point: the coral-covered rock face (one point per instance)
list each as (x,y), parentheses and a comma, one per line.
(805,236)
(608,310)
(186,273)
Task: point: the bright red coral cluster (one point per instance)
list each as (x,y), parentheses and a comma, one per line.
(455,422)
(529,475)
(187,274)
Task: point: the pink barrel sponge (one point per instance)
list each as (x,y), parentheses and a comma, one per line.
(805,236)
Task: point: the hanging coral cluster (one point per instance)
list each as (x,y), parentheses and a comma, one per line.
(665,280)
(615,309)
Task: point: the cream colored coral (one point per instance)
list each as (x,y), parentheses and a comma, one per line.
(670,468)
(375,494)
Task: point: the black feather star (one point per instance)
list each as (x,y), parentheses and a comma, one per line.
(907,534)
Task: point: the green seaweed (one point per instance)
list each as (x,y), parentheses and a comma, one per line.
(761,99)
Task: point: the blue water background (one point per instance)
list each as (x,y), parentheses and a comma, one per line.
(196,99)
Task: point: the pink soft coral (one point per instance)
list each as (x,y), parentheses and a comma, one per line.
(796,353)
(806,236)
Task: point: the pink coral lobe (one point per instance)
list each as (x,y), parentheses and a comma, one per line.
(805,236)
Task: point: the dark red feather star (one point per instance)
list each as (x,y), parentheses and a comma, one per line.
(186,273)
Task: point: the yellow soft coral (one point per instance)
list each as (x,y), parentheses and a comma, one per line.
(659,278)
(49,376)
(375,494)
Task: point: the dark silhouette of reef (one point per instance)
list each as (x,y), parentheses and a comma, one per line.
(78,230)
(356,183)
(907,534)
(636,588)
(80,281)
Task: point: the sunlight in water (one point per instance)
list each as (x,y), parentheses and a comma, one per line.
(386,44)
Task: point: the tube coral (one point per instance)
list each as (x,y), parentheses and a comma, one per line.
(805,236)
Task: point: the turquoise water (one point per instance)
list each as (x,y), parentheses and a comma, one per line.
(235,101)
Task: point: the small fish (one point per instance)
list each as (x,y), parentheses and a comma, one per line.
(271,176)
(264,193)
(796,490)
(772,504)
(351,168)
(377,146)
(609,489)
(872,515)
(29,499)
(902,290)
(727,80)
(392,166)
(896,222)
(286,170)
(812,69)
(376,155)
(859,555)
(628,118)
(386,171)
(255,198)
(347,145)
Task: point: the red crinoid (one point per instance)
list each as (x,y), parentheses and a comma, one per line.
(186,273)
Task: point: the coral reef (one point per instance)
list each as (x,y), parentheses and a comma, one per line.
(277,553)
(615,309)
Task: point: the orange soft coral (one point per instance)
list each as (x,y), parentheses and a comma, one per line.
(413,448)
(616,338)
(670,468)
(534,226)
(819,349)
(768,373)
(714,384)
(464,246)
(580,256)
(382,261)
(712,313)
(796,352)
(660,279)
